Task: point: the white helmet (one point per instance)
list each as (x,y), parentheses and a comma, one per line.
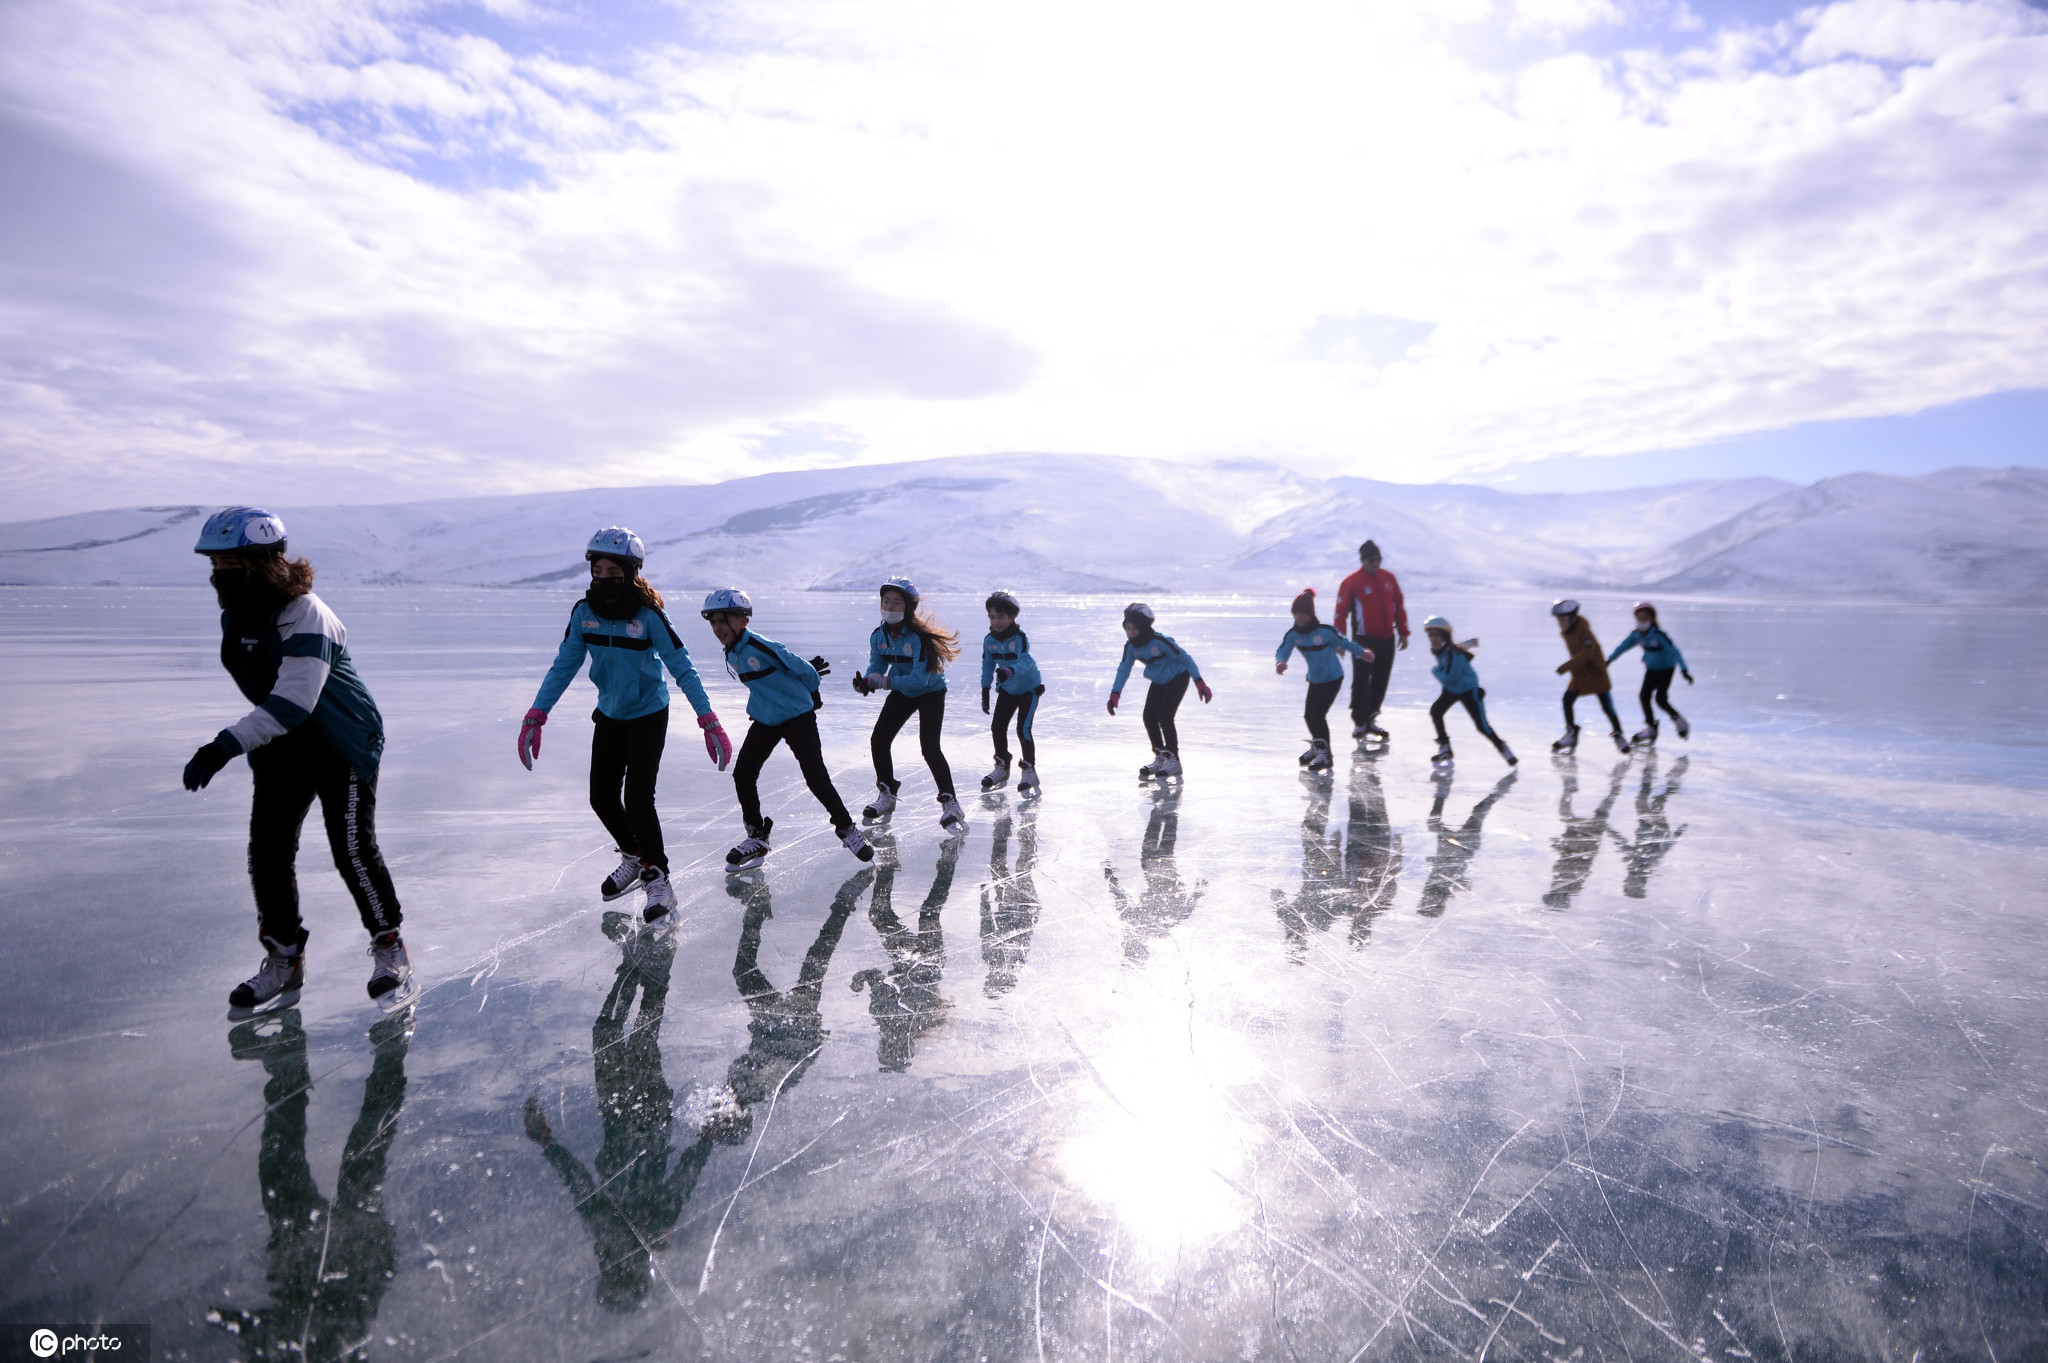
(616,542)
(727,599)
(1139,610)
(1437,622)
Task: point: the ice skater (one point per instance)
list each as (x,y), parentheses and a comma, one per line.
(620,624)
(1169,668)
(1370,610)
(1660,659)
(315,734)
(1454,672)
(782,703)
(1320,644)
(1007,665)
(1588,669)
(907,657)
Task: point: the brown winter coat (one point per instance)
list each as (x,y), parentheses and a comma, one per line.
(1587,664)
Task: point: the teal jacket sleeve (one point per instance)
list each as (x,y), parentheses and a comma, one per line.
(1123,671)
(797,667)
(1194,668)
(669,647)
(1287,643)
(1349,645)
(988,664)
(568,662)
(874,652)
(1635,637)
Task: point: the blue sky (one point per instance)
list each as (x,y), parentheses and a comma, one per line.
(378,251)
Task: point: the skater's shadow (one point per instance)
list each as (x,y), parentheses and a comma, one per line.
(328,1263)
(1450,870)
(1009,902)
(1655,837)
(1579,843)
(1352,873)
(1166,901)
(904,1000)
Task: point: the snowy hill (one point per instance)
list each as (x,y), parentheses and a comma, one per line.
(1083,524)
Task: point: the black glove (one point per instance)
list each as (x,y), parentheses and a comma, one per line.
(860,684)
(1003,674)
(824,668)
(984,700)
(207,762)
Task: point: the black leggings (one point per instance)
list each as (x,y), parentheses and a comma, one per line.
(1369,680)
(1606,705)
(1321,696)
(897,709)
(289,775)
(1474,702)
(1160,703)
(801,734)
(1025,708)
(1657,685)
(627,753)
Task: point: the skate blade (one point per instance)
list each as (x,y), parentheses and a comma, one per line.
(277,1003)
(735,868)
(609,897)
(663,927)
(398,998)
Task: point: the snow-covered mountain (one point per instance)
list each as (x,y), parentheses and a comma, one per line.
(1079,524)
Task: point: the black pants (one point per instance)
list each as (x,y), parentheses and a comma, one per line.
(290,774)
(1369,680)
(1161,700)
(627,753)
(1606,705)
(801,734)
(1321,696)
(1657,686)
(897,709)
(1474,702)
(1025,708)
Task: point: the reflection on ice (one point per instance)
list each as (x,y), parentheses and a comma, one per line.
(1655,837)
(1352,872)
(1009,901)
(1166,900)
(1450,870)
(904,1000)
(1579,843)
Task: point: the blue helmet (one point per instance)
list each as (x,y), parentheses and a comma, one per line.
(1561,609)
(904,585)
(240,527)
(616,542)
(727,599)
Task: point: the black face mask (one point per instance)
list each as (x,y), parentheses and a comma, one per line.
(615,598)
(242,592)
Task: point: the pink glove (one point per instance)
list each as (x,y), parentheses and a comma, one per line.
(715,741)
(1202,690)
(529,736)
(1114,697)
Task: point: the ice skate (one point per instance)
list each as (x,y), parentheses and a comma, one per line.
(856,842)
(392,985)
(753,851)
(1151,769)
(1319,756)
(1027,780)
(276,984)
(1307,754)
(1360,730)
(1683,725)
(1644,737)
(879,807)
(998,775)
(660,911)
(1442,757)
(951,817)
(1169,764)
(1507,754)
(1620,743)
(1570,741)
(622,881)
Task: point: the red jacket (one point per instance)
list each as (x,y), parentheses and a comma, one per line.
(1369,606)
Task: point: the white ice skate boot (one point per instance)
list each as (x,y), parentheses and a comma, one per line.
(1169,764)
(884,801)
(998,775)
(660,913)
(391,983)
(276,983)
(1644,736)
(753,851)
(1570,741)
(1507,754)
(1027,780)
(1319,756)
(856,842)
(1151,769)
(1442,757)
(951,818)
(1620,743)
(622,881)
(1683,725)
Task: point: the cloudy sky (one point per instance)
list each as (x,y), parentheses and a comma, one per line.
(313,250)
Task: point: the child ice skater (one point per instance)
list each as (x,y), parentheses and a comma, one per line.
(1169,668)
(782,702)
(1006,662)
(621,626)
(1320,644)
(1454,672)
(1588,669)
(907,657)
(1660,659)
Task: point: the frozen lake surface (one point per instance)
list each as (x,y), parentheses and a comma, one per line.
(1731,1049)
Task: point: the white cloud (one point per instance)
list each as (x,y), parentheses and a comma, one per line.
(342,244)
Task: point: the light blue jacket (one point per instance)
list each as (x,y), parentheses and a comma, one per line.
(905,659)
(626,658)
(1163,659)
(1320,647)
(780,685)
(1659,653)
(1454,671)
(1014,653)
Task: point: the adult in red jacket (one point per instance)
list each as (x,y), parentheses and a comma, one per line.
(1370,610)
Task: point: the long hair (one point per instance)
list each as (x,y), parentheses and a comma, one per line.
(292,578)
(647,592)
(942,643)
